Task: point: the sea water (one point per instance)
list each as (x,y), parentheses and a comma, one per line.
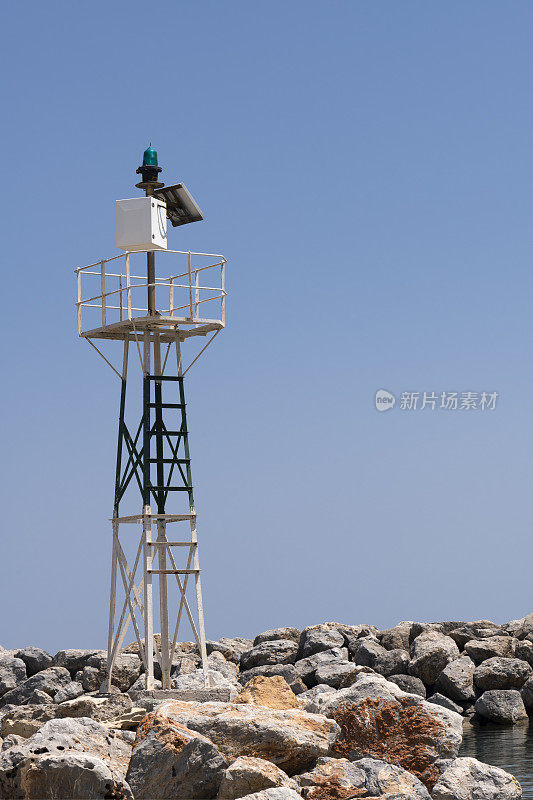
(509,748)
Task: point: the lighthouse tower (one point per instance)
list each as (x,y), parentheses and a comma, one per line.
(165,318)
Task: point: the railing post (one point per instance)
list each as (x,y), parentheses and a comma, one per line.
(102,283)
(223,293)
(190,285)
(171,293)
(128,285)
(196,293)
(120,296)
(78,283)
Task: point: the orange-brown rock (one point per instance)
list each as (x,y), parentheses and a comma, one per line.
(291,739)
(273,692)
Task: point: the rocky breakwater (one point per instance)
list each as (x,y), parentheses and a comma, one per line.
(332,712)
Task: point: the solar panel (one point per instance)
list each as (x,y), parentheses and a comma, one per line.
(181,207)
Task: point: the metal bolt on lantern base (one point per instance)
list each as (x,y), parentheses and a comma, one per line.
(153,453)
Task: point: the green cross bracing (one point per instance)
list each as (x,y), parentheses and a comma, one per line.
(157,456)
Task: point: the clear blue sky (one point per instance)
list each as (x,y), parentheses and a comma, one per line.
(367,169)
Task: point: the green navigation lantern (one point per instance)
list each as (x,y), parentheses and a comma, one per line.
(150,157)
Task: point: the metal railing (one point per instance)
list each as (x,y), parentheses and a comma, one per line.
(116,300)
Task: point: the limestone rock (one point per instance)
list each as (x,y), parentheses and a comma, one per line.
(231,649)
(334,673)
(292,739)
(196,680)
(431,652)
(366,651)
(11,740)
(62,737)
(502,673)
(274,793)
(68,692)
(397,638)
(292,634)
(527,695)
(12,673)
(26,720)
(377,719)
(77,776)
(247,775)
(49,680)
(218,663)
(526,627)
(74,660)
(35,659)
(475,630)
(502,706)
(333,777)
(440,700)
(125,672)
(409,684)
(281,651)
(457,680)
(316,638)
(170,761)
(313,699)
(305,667)
(392,662)
(468,779)
(287,671)
(481,649)
(101,709)
(272,692)
(524,651)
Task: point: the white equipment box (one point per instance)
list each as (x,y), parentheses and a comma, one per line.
(141,224)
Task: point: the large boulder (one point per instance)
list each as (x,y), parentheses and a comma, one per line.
(377,719)
(339,778)
(457,680)
(524,651)
(49,681)
(26,720)
(441,700)
(409,684)
(469,779)
(502,706)
(74,660)
(287,671)
(431,652)
(35,659)
(68,692)
(502,673)
(525,628)
(316,638)
(305,667)
(292,634)
(196,681)
(313,699)
(247,775)
(397,638)
(217,663)
(274,793)
(231,649)
(392,662)
(77,776)
(334,673)
(366,651)
(61,738)
(526,693)
(126,670)
(101,709)
(272,692)
(482,629)
(280,651)
(481,649)
(170,761)
(292,739)
(12,673)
